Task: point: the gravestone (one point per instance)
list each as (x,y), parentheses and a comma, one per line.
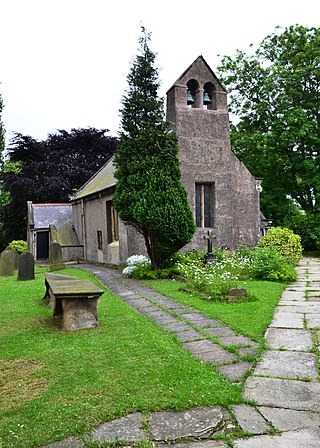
(210,257)
(26,266)
(7,262)
(55,257)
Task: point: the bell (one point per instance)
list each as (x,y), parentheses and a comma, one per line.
(206,99)
(190,99)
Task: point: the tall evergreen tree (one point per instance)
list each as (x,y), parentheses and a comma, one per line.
(149,193)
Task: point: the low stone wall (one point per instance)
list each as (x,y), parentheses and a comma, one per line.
(71,253)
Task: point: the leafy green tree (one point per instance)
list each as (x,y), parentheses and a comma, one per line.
(275,95)
(149,193)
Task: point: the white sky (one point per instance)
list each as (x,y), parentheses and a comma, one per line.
(63,63)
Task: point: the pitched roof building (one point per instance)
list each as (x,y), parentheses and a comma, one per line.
(222,192)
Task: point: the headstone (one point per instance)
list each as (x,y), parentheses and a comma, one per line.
(55,257)
(210,257)
(26,266)
(237,294)
(7,262)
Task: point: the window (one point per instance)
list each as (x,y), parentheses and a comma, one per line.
(99,238)
(112,224)
(204,205)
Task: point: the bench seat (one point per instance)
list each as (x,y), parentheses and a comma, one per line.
(73,299)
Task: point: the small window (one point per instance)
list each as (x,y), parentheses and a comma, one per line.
(112,224)
(99,238)
(204,205)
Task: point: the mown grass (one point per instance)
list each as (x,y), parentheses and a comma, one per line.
(249,318)
(55,384)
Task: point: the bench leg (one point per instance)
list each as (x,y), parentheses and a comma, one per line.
(79,314)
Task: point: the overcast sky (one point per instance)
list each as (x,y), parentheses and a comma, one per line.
(63,63)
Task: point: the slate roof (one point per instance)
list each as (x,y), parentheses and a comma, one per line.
(57,217)
(56,214)
(101,180)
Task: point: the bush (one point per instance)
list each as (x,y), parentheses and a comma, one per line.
(287,243)
(146,273)
(18,246)
(307,226)
(134,262)
(269,264)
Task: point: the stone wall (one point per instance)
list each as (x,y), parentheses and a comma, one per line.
(206,157)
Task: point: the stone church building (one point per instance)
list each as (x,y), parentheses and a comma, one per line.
(223,194)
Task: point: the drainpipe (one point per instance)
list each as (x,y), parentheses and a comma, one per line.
(84,233)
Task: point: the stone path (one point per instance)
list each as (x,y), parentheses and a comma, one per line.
(284,388)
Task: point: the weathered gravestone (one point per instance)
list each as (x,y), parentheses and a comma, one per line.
(55,257)
(26,266)
(7,262)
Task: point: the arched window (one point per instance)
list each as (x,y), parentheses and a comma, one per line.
(192,93)
(209,96)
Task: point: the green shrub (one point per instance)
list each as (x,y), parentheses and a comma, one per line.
(18,246)
(146,273)
(287,243)
(269,264)
(190,257)
(307,226)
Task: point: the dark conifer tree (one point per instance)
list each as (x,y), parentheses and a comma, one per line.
(149,192)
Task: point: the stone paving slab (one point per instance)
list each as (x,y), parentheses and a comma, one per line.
(149,310)
(177,326)
(200,346)
(139,303)
(219,331)
(293,303)
(126,429)
(200,320)
(215,323)
(303,438)
(190,335)
(314,298)
(71,442)
(289,420)
(200,423)
(251,351)
(289,394)
(313,321)
(308,307)
(164,318)
(235,372)
(205,444)
(287,320)
(235,340)
(290,339)
(288,364)
(218,357)
(182,310)
(250,420)
(293,295)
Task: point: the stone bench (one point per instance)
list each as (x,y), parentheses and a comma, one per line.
(73,299)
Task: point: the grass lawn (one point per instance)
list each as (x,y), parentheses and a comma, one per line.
(248,318)
(53,385)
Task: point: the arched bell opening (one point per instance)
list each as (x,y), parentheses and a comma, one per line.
(192,93)
(209,96)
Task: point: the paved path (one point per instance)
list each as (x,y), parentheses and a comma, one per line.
(284,386)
